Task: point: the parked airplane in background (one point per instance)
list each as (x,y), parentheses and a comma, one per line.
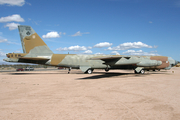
(36,51)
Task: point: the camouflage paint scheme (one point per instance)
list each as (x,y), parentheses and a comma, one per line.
(36,51)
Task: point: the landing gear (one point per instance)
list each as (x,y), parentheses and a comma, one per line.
(107,69)
(140,72)
(69,70)
(89,71)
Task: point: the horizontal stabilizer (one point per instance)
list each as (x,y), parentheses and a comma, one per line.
(34,58)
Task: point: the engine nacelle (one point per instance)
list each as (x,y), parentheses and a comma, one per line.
(149,63)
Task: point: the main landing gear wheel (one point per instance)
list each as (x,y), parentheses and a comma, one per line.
(141,72)
(69,70)
(107,69)
(89,71)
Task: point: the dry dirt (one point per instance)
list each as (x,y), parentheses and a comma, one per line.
(116,95)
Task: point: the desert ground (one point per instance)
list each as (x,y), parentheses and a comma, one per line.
(116,95)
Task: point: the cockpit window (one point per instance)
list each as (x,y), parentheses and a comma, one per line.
(8,55)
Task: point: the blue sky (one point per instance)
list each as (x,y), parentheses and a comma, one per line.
(125,27)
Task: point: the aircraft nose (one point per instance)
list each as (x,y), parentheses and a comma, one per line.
(4,60)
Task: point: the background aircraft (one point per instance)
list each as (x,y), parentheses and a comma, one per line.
(36,51)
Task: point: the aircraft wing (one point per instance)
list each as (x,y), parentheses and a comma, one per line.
(116,60)
(33,58)
(105,58)
(109,58)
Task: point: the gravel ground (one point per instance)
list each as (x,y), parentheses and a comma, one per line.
(116,95)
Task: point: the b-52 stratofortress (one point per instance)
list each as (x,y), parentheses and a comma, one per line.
(36,51)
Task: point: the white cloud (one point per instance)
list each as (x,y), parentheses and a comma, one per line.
(88,52)
(150,22)
(3,40)
(60,33)
(2,54)
(15,17)
(28,3)
(17,51)
(103,44)
(12,26)
(73,48)
(37,22)
(6,41)
(115,52)
(89,47)
(140,52)
(79,34)
(51,35)
(12,2)
(99,53)
(129,45)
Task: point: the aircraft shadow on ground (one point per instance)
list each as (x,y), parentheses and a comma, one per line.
(99,75)
(95,75)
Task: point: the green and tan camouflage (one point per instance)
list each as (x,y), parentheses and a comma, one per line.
(36,51)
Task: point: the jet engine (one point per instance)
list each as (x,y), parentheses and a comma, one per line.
(149,63)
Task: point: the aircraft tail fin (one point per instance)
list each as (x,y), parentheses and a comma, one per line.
(31,42)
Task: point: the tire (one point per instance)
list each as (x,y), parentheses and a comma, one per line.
(142,71)
(89,71)
(107,69)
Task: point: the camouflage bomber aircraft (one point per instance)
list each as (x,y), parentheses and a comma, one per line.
(36,51)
